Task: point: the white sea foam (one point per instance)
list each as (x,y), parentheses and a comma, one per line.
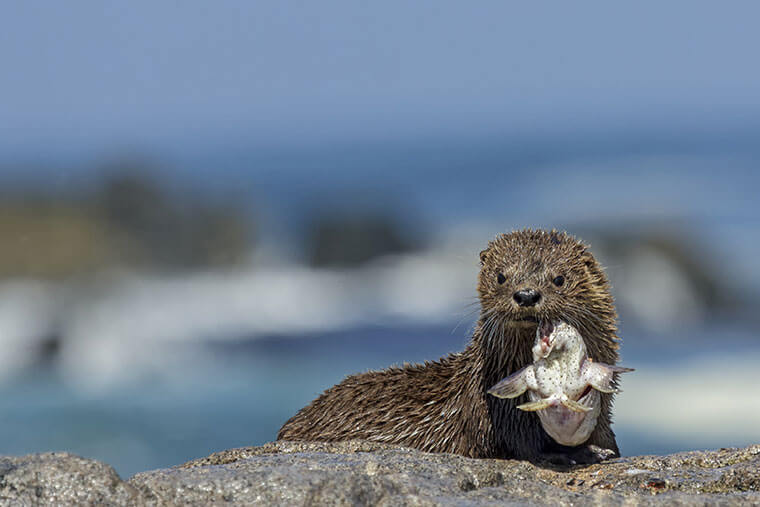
(136,323)
(28,311)
(714,399)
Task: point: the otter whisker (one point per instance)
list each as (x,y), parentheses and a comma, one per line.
(467,315)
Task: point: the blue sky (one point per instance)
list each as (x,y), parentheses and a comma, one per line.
(86,75)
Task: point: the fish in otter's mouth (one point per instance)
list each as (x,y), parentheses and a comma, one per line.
(563,383)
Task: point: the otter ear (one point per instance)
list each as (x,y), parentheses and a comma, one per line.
(483,256)
(588,260)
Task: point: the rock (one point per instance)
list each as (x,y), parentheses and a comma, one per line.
(368,473)
(364,473)
(59,478)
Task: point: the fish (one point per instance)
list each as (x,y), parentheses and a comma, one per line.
(563,383)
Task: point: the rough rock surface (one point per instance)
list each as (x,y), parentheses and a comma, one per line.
(56,478)
(363,473)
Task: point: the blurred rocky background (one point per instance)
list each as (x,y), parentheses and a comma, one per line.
(127,222)
(210,215)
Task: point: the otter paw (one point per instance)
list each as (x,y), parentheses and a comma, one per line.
(591,454)
(557,458)
(586,455)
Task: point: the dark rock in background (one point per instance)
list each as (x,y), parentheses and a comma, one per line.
(348,240)
(130,220)
(160,229)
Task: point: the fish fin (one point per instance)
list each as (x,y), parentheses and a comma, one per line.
(604,389)
(575,406)
(535,405)
(511,386)
(617,369)
(600,376)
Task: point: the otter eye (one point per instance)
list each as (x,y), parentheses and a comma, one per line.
(559,281)
(501,278)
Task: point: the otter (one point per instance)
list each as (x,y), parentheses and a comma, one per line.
(442,406)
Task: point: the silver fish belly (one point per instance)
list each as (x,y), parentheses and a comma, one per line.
(563,384)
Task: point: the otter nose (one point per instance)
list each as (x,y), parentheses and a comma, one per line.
(527,297)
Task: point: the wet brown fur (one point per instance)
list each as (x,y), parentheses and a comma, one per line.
(442,406)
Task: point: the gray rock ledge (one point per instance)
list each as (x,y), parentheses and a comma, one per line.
(365,473)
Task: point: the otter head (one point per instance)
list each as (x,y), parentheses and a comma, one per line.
(532,276)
